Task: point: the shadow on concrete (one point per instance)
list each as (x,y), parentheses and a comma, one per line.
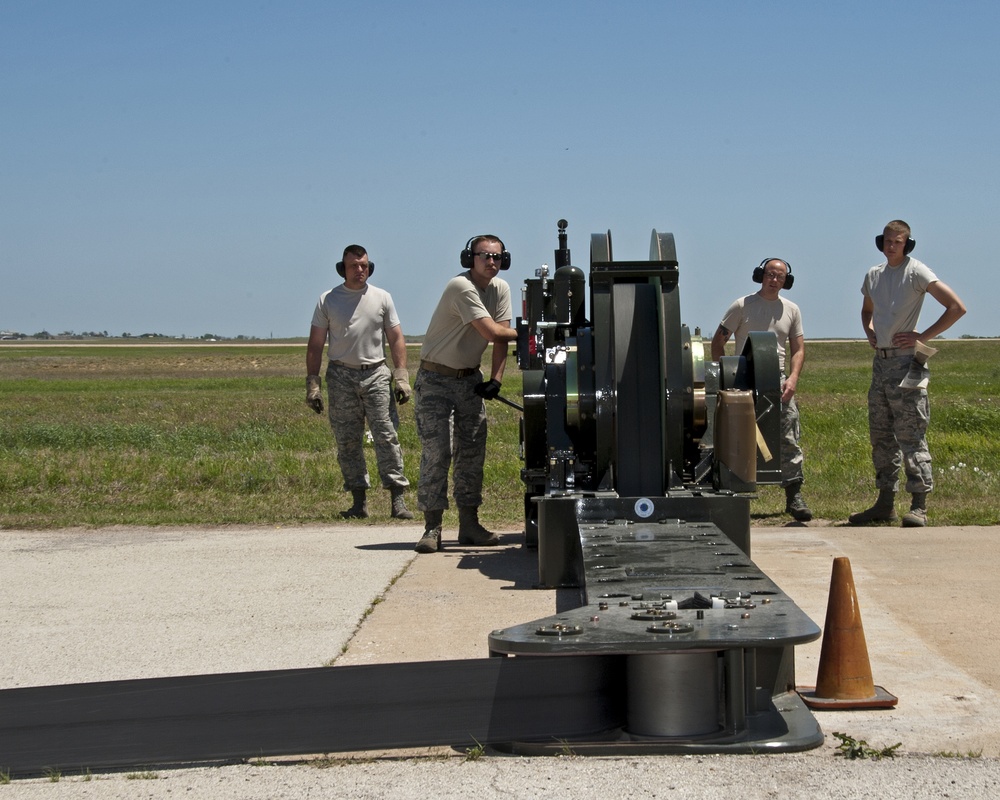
(389,546)
(512,562)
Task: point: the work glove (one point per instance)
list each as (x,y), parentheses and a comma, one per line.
(402,391)
(488,390)
(314,395)
(918,375)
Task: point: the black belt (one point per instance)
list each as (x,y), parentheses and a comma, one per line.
(893,352)
(449,372)
(362,366)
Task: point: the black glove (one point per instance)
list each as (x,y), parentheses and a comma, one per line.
(314,395)
(488,390)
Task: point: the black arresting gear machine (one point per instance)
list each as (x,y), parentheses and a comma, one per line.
(640,459)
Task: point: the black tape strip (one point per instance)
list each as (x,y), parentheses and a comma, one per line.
(232,716)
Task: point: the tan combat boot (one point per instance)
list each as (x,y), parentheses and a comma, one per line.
(399,509)
(430,542)
(916,517)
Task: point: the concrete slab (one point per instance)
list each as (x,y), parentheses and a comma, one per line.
(93,605)
(110,604)
(445,605)
(933,636)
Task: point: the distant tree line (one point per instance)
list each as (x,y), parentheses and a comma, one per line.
(208,337)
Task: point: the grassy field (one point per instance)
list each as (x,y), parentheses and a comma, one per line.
(218,434)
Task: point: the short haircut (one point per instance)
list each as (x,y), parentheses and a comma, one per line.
(489,237)
(354,250)
(897,226)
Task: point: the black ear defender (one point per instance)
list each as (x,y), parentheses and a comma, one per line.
(758,273)
(342,272)
(467,256)
(907,249)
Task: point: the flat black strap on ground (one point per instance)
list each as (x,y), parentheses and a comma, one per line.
(163,721)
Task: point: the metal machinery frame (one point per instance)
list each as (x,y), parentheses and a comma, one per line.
(626,403)
(627,499)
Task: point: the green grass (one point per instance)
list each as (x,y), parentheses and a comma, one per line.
(475,752)
(965,411)
(220,434)
(852,748)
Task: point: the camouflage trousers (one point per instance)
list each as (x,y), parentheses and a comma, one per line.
(356,395)
(451,424)
(791,452)
(897,427)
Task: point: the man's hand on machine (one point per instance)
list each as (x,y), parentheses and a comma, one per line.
(488,390)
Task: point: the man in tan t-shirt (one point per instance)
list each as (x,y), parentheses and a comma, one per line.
(473,312)
(352,320)
(767,311)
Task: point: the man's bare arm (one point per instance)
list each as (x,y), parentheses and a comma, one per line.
(397,346)
(314,350)
(722,334)
(493,331)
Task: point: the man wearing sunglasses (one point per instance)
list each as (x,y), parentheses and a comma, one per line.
(473,312)
(356,318)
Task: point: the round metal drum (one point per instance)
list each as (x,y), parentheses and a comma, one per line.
(673,694)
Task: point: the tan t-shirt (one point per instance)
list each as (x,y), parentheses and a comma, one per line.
(897,295)
(754,313)
(450,339)
(355,320)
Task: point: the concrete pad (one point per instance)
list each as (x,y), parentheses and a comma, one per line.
(112,604)
(94,605)
(933,634)
(446,604)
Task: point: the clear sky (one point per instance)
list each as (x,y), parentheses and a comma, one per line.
(198,166)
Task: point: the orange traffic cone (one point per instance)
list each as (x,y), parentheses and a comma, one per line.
(844,680)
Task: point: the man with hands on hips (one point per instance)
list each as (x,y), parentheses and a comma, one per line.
(899,409)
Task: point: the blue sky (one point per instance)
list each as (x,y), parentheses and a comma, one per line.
(189,167)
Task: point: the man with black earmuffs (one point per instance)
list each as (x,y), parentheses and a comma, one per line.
(766,310)
(474,311)
(898,407)
(354,320)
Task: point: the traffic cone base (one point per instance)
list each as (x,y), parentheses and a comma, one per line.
(881,699)
(845,674)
